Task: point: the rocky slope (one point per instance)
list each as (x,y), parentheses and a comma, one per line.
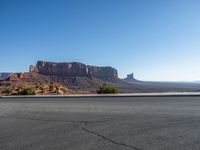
(31,83)
(77,77)
(4,75)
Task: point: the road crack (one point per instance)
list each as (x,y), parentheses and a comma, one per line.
(108,139)
(82,124)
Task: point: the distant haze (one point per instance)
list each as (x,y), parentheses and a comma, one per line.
(156,40)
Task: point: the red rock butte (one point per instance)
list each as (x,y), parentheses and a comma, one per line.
(72,69)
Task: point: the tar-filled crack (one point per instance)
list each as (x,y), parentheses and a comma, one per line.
(108,139)
(82,127)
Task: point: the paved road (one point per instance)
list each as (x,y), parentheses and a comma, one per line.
(120,123)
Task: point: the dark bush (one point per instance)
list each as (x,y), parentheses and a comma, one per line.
(28,91)
(107,89)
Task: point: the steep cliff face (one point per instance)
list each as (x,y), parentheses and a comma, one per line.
(75,69)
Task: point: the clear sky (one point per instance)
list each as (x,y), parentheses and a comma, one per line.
(154,39)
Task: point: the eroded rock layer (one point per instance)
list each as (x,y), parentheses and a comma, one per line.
(74,69)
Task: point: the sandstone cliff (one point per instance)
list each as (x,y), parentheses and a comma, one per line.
(77,77)
(74,69)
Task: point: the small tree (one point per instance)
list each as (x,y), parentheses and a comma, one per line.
(107,89)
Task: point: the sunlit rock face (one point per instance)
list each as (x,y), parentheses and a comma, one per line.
(73,69)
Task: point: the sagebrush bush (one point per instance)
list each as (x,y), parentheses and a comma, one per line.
(30,90)
(107,89)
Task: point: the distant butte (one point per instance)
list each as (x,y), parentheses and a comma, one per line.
(74,69)
(130,78)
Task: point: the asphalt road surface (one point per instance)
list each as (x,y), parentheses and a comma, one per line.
(117,123)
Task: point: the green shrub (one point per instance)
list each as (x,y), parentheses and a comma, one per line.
(107,89)
(30,90)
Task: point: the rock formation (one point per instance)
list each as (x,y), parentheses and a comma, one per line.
(74,69)
(68,78)
(4,75)
(130,78)
(77,77)
(22,83)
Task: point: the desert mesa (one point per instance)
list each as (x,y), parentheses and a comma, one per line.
(46,78)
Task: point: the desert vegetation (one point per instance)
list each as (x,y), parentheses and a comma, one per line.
(29,90)
(32,89)
(107,89)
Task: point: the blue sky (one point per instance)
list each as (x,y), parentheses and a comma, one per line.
(156,40)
